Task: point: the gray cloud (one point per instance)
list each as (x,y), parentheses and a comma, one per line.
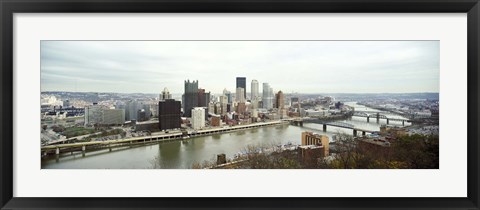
(291,66)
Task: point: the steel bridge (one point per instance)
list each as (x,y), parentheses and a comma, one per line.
(378,116)
(300,121)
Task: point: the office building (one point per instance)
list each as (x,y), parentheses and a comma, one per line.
(254,94)
(114,116)
(215,121)
(204,100)
(141,115)
(198,118)
(101,115)
(280,100)
(165,94)
(223,103)
(93,114)
(240,95)
(267,96)
(241,108)
(242,82)
(190,97)
(131,110)
(169,114)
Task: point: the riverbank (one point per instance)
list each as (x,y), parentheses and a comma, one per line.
(145,140)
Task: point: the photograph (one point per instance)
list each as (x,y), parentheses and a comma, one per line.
(238,104)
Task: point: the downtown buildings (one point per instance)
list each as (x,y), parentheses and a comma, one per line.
(190,97)
(254,94)
(101,115)
(267,96)
(198,118)
(169,114)
(242,83)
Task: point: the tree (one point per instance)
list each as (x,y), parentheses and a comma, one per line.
(346,152)
(417,151)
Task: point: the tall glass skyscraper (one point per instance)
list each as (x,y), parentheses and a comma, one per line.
(190,97)
(267,96)
(242,82)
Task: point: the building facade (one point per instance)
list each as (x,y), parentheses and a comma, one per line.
(165,94)
(242,82)
(190,97)
(309,138)
(240,95)
(93,114)
(169,114)
(267,96)
(280,100)
(254,94)
(114,116)
(101,115)
(198,118)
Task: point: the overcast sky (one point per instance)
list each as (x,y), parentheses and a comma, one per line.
(290,66)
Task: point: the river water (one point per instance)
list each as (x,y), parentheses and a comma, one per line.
(182,154)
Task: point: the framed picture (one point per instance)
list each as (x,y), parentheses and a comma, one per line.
(239,105)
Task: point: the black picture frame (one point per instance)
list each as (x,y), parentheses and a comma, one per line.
(9,7)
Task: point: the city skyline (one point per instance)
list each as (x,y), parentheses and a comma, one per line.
(290,66)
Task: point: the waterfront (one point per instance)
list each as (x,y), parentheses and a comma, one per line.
(183,153)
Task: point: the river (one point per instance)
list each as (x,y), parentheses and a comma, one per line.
(182,154)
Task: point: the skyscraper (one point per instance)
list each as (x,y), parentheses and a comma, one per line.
(242,82)
(240,95)
(223,104)
(204,100)
(190,97)
(267,96)
(280,100)
(131,108)
(169,114)
(254,91)
(198,117)
(165,94)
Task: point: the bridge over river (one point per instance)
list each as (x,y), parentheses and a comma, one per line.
(300,121)
(378,116)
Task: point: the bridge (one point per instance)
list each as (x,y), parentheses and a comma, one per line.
(66,147)
(378,116)
(300,121)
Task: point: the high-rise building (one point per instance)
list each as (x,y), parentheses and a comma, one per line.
(131,110)
(101,115)
(165,94)
(229,97)
(223,103)
(141,115)
(169,115)
(204,100)
(114,116)
(241,108)
(267,96)
(93,114)
(254,91)
(198,118)
(242,82)
(190,97)
(280,100)
(240,95)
